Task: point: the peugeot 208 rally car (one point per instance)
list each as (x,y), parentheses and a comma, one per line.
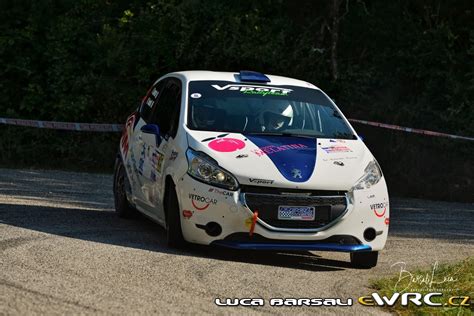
(251,161)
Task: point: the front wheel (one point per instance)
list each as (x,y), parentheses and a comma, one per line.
(364,260)
(174,234)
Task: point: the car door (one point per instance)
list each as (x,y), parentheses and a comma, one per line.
(156,137)
(138,148)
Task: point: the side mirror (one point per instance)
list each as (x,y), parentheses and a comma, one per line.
(152,129)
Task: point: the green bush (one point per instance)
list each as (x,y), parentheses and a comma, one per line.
(404,62)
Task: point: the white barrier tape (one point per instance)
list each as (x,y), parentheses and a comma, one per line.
(86,127)
(95,127)
(410,130)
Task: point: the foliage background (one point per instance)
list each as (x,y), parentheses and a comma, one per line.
(406,62)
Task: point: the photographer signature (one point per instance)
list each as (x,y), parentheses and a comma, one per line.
(427,279)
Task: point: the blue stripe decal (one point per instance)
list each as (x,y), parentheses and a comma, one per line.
(294,157)
(292,246)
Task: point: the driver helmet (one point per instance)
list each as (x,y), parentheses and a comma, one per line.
(204,115)
(277,116)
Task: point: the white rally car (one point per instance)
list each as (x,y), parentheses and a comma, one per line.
(251,161)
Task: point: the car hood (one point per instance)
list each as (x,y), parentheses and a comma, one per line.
(285,161)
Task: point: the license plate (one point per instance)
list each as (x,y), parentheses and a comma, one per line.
(296,213)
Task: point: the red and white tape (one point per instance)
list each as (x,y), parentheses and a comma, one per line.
(411,130)
(95,127)
(85,127)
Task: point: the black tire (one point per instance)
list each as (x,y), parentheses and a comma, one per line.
(364,260)
(174,234)
(122,207)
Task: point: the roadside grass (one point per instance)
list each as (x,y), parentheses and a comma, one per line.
(449,279)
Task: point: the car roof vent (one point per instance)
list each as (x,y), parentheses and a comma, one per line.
(253,76)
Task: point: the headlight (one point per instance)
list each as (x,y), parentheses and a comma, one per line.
(205,169)
(372,175)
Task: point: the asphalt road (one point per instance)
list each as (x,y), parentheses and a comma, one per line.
(63,250)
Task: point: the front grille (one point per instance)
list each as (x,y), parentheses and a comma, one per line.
(272,190)
(327,209)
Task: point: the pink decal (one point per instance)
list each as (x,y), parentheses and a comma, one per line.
(226,144)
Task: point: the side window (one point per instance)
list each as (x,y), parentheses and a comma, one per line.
(149,101)
(166,111)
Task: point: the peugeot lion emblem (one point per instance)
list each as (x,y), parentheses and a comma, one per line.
(296,173)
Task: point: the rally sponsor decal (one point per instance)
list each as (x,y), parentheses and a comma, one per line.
(336,149)
(379,208)
(226,144)
(221,192)
(254,90)
(338,158)
(153,159)
(272,149)
(152,97)
(132,162)
(260,181)
(157,161)
(294,157)
(201,203)
(174,155)
(141,160)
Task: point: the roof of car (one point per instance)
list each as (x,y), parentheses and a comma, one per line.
(196,75)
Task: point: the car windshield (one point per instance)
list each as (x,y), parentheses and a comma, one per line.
(263,109)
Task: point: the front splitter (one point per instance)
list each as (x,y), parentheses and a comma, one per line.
(292,246)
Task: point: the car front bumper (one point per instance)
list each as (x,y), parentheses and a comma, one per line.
(202,204)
